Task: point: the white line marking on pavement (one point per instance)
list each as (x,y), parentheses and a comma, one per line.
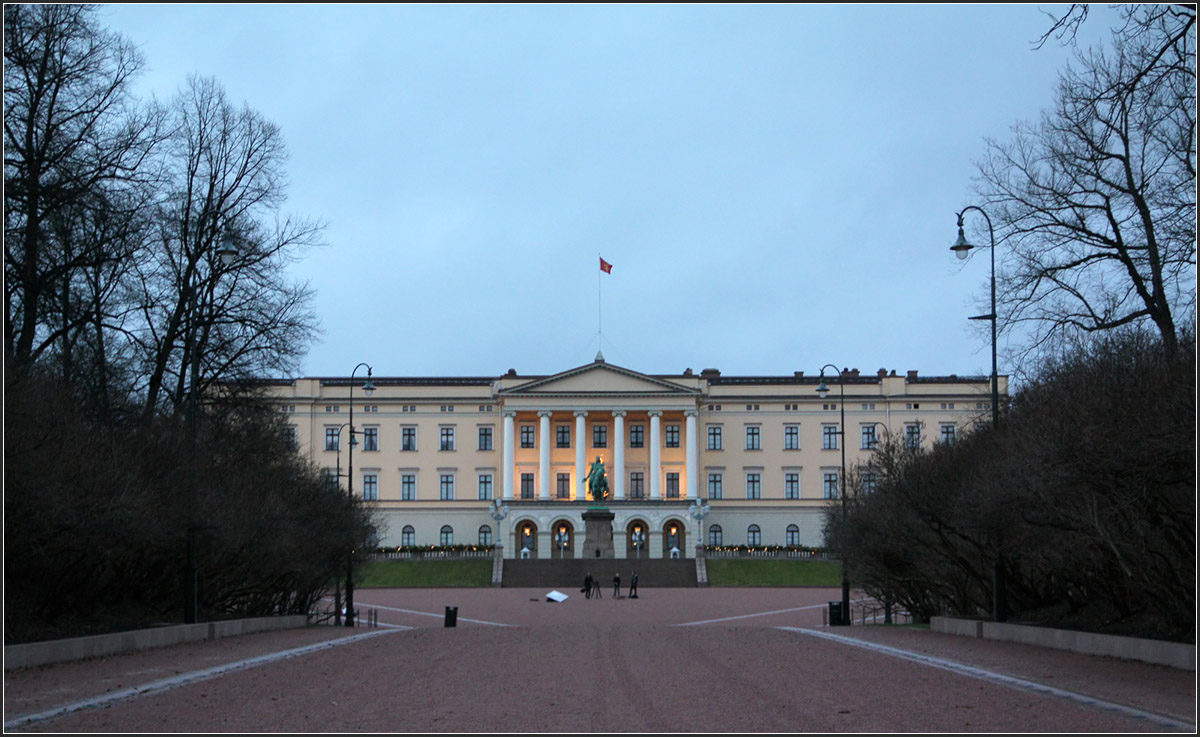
(747,616)
(186,678)
(1000,678)
(431,614)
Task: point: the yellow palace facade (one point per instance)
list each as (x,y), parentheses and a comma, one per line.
(691,458)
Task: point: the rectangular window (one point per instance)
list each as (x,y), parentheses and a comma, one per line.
(564,436)
(291,438)
(408,438)
(637,485)
(485,438)
(912,436)
(869,439)
(408,487)
(527,436)
(753,439)
(672,437)
(485,486)
(370,438)
(599,436)
(672,485)
(870,482)
(446,487)
(370,487)
(714,486)
(831,485)
(447,438)
(948,434)
(829,437)
(526,486)
(637,436)
(753,486)
(791,486)
(791,437)
(333,438)
(714,437)
(331,479)
(564,486)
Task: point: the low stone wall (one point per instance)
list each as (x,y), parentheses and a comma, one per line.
(31,654)
(1172,654)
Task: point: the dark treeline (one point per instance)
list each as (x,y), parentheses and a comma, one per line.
(1084,497)
(122,322)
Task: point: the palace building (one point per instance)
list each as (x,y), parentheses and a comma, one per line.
(691,458)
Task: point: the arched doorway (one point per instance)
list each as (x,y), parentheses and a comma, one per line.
(637,539)
(563,540)
(526,540)
(674,539)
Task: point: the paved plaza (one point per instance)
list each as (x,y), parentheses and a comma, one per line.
(672,660)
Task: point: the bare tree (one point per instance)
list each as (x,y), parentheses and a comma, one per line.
(1096,203)
(226,177)
(76,152)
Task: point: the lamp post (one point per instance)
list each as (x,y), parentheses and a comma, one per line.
(368,388)
(227,252)
(698,511)
(337,589)
(962,249)
(822,391)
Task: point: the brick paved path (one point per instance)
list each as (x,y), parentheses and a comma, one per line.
(674,660)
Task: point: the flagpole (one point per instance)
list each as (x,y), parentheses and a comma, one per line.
(599,310)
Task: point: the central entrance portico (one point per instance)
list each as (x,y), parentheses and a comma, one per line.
(643,428)
(640,529)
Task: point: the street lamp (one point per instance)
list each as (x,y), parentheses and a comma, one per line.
(638,538)
(962,249)
(368,388)
(227,252)
(822,391)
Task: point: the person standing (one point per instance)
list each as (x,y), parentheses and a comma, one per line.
(587,586)
(616,585)
(633,586)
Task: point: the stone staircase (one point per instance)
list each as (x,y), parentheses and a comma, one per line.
(567,574)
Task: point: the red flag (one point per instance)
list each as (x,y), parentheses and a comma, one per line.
(605,266)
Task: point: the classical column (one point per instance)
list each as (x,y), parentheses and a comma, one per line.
(618,474)
(544,455)
(693,456)
(655,454)
(509,452)
(580,455)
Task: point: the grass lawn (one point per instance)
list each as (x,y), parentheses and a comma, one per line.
(423,573)
(721,572)
(737,572)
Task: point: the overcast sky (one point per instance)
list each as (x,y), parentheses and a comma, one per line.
(775,185)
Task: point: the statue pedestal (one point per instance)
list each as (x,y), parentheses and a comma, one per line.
(598,538)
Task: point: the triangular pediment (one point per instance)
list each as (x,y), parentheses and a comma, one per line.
(600,379)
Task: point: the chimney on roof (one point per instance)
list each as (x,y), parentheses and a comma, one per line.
(912,375)
(852,373)
(687,372)
(799,374)
(882,373)
(710,372)
(511,372)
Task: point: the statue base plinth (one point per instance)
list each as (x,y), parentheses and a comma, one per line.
(598,536)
